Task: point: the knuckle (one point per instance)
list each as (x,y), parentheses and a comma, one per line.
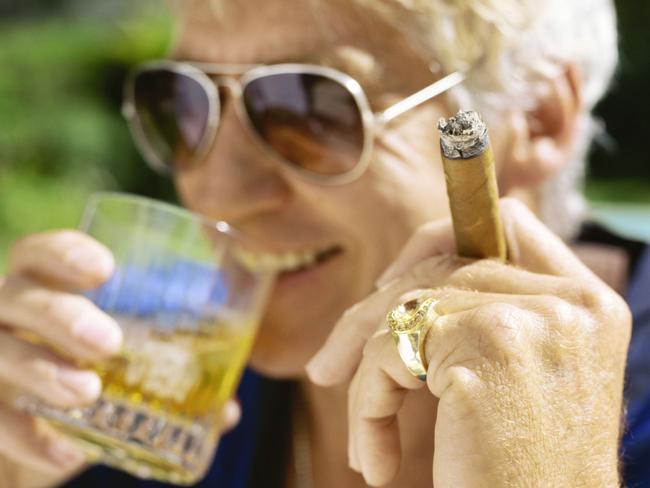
(497,329)
(65,310)
(374,347)
(351,313)
(558,312)
(59,306)
(600,300)
(462,276)
(463,379)
(611,312)
(425,273)
(58,383)
(623,314)
(513,209)
(613,306)
(585,294)
(466,382)
(590,295)
(467,274)
(424,231)
(43,369)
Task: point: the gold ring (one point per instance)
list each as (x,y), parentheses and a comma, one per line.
(408,324)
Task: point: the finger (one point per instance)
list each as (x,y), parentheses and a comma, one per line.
(33,369)
(339,356)
(432,239)
(35,445)
(490,281)
(489,333)
(231,415)
(70,323)
(493,337)
(492,276)
(382,364)
(531,245)
(66,258)
(353,458)
(534,247)
(382,386)
(337,360)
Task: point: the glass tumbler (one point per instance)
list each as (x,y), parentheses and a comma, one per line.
(188,308)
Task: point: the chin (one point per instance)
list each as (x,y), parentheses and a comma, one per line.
(285,344)
(300,315)
(291,334)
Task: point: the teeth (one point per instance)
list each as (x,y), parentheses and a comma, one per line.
(276,263)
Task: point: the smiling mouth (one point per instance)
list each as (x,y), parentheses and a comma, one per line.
(284,263)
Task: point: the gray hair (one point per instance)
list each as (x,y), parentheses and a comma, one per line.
(509,45)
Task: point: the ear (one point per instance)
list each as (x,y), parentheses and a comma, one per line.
(543,139)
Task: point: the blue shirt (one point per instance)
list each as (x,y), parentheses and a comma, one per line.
(636,440)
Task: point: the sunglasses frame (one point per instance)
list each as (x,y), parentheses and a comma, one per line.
(235,77)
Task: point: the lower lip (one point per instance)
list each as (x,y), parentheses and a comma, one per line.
(300,277)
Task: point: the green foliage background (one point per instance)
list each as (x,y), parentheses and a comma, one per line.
(62,63)
(61,133)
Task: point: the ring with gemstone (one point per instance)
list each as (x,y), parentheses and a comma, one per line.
(408,323)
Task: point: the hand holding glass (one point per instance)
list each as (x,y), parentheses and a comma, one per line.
(188,310)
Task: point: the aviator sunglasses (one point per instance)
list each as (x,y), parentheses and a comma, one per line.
(315,119)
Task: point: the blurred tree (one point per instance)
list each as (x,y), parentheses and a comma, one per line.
(61,133)
(623,154)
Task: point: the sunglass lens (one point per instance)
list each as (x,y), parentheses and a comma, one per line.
(311,120)
(173,113)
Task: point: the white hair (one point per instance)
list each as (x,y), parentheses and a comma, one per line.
(508,46)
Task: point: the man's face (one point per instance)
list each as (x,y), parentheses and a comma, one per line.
(364,223)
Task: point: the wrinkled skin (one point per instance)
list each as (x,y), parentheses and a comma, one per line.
(526,359)
(36,297)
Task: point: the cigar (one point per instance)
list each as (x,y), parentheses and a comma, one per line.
(472,186)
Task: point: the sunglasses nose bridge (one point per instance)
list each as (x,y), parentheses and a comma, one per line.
(235,88)
(231,84)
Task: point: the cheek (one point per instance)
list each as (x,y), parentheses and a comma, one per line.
(189,189)
(198,190)
(403,189)
(408,169)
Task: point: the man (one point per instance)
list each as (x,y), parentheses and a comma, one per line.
(526,362)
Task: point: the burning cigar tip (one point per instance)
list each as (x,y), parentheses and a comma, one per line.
(463,136)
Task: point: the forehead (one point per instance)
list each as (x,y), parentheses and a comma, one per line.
(239,33)
(270,31)
(337,33)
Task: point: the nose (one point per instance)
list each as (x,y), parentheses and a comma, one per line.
(238,180)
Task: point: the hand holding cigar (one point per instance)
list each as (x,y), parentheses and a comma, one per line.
(471,186)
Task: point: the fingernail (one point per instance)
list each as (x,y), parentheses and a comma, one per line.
(64,453)
(353,463)
(317,373)
(231,414)
(106,338)
(90,262)
(312,368)
(82,383)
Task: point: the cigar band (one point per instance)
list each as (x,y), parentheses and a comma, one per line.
(409,323)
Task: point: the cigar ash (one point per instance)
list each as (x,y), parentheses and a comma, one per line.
(463,136)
